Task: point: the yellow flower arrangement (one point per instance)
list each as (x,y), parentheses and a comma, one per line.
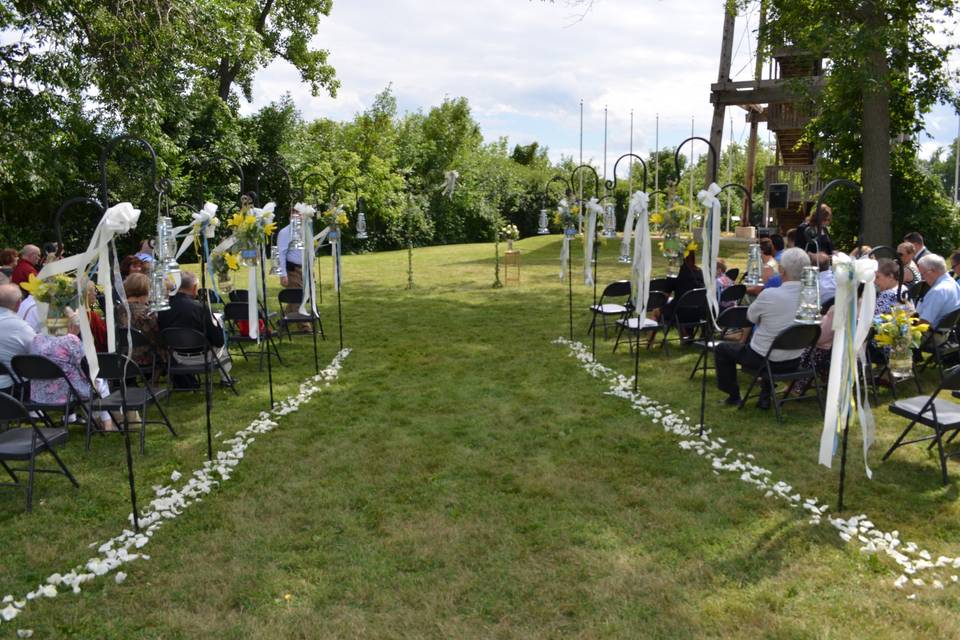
(899,325)
(248,229)
(656,218)
(692,247)
(335,217)
(223,262)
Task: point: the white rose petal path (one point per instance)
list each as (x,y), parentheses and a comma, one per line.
(170,502)
(939,571)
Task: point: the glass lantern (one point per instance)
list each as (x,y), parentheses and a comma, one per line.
(610,221)
(296,234)
(159,300)
(754,265)
(274,260)
(542,228)
(361,226)
(808,312)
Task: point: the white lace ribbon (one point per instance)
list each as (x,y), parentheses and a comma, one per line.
(593,210)
(117,220)
(308,303)
(851,327)
(204,221)
(642,252)
(711,245)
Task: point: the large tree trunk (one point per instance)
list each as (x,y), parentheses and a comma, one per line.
(877,216)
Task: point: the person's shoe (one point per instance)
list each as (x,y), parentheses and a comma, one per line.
(731,401)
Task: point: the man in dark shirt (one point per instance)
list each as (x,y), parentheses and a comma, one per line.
(186,312)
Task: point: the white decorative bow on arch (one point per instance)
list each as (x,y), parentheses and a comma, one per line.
(642,252)
(307,214)
(851,327)
(711,245)
(204,221)
(117,220)
(594,209)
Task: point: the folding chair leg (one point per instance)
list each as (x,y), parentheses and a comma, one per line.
(143,431)
(943,456)
(619,334)
(743,400)
(899,440)
(166,420)
(696,367)
(10,472)
(30,475)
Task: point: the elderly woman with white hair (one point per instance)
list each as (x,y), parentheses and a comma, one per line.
(773,311)
(67,352)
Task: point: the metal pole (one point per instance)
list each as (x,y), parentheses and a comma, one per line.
(338,283)
(956,168)
(729,171)
(630,177)
(266,319)
(691,170)
(570,287)
(707,336)
(843,462)
(315,321)
(656,158)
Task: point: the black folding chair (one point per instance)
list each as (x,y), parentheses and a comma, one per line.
(243,295)
(119,370)
(235,312)
(666,285)
(940,414)
(689,315)
(734,293)
(31,368)
(794,338)
(729,320)
(17,388)
(655,301)
(138,340)
(733,274)
(617,289)
(917,291)
(940,342)
(190,343)
(295,297)
(21,444)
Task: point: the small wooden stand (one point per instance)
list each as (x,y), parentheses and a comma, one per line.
(511,259)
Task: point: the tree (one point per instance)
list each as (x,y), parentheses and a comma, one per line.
(885,74)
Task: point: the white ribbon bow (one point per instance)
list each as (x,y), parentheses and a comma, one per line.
(851,327)
(305,210)
(266,213)
(642,252)
(593,210)
(118,219)
(308,302)
(711,245)
(204,221)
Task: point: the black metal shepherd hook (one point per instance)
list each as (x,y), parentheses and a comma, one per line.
(546,199)
(820,200)
(319,205)
(205,298)
(612,184)
(338,284)
(713,154)
(596,248)
(161,188)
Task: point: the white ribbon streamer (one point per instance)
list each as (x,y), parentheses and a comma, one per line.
(308,303)
(117,220)
(851,327)
(628,228)
(593,209)
(450,182)
(253,321)
(711,245)
(642,252)
(204,221)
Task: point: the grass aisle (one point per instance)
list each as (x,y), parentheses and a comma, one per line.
(465,478)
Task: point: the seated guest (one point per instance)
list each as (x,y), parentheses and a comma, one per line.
(944,294)
(888,281)
(862,251)
(8,262)
(28,313)
(132,264)
(778,246)
(52,252)
(186,312)
(137,289)
(812,235)
(98,326)
(16,336)
(769,262)
(145,254)
(906,252)
(828,282)
(919,249)
(818,356)
(955,264)
(66,351)
(772,312)
(723,282)
(790,239)
(27,265)
(689,277)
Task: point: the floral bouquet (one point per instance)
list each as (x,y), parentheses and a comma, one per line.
(509,232)
(567,217)
(334,217)
(59,293)
(672,246)
(249,230)
(902,332)
(223,262)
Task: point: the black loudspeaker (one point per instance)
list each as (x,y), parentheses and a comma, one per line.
(779,195)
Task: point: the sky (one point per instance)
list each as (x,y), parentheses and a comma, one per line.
(525,66)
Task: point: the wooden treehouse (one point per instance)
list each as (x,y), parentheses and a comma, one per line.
(781,101)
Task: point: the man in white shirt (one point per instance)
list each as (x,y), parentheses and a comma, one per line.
(773,311)
(15,334)
(291,262)
(28,313)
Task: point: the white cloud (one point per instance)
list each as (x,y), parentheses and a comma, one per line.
(524,65)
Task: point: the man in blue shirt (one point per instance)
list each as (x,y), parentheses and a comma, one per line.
(944,294)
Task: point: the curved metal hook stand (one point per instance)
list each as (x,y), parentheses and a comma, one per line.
(746,193)
(306,179)
(93,202)
(850,183)
(352,180)
(713,154)
(612,184)
(546,187)
(158,186)
(220,158)
(596,179)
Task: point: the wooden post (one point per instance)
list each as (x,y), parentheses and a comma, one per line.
(719,109)
(754,114)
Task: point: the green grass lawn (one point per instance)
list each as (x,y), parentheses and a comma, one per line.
(465,478)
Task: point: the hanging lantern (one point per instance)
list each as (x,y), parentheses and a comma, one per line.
(159,301)
(296,233)
(361,226)
(610,221)
(168,242)
(542,228)
(274,260)
(809,310)
(753,265)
